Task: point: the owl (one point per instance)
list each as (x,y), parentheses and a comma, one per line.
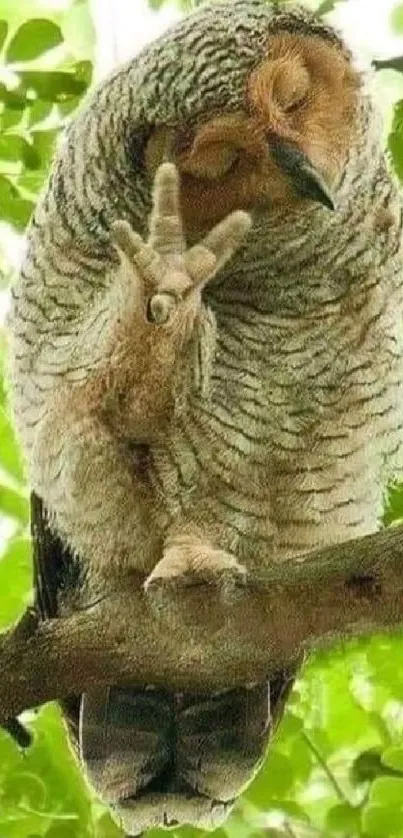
(207,360)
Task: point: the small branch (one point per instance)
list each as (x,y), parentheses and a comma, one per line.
(197,643)
(389,63)
(323,764)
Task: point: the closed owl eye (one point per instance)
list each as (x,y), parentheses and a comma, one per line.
(291,84)
(295,105)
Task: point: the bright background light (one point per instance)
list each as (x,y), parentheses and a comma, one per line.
(123,28)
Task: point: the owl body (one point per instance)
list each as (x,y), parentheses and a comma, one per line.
(275,426)
(291,445)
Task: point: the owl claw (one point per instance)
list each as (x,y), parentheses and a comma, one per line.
(188,562)
(232,584)
(170,275)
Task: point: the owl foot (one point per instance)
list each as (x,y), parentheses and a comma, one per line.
(189,561)
(172,275)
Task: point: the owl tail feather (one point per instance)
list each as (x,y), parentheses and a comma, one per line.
(162,759)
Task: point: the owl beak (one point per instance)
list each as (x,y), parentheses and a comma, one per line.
(305,178)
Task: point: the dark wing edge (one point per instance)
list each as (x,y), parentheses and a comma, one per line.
(55,569)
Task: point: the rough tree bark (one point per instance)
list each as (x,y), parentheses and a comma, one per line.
(199,643)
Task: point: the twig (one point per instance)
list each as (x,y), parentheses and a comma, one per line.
(395,63)
(323,764)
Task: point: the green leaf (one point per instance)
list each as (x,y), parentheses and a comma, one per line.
(59,830)
(367,766)
(14,99)
(327,6)
(3,395)
(52,85)
(291,725)
(382,822)
(396,19)
(39,111)
(15,209)
(22,784)
(393,758)
(396,139)
(68,107)
(33,38)
(10,456)
(32,181)
(343,819)
(274,780)
(387,791)
(394,507)
(15,581)
(44,143)
(156,5)
(10,756)
(301,759)
(14,505)
(3,32)
(53,761)
(106,828)
(83,71)
(10,118)
(16,149)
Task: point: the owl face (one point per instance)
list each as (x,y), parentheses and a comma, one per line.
(286,145)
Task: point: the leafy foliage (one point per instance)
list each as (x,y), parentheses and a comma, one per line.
(397,19)
(33,38)
(29,122)
(336,765)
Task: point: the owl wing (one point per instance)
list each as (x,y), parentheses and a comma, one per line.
(55,573)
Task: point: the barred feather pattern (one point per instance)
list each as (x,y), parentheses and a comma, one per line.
(294,420)
(304,403)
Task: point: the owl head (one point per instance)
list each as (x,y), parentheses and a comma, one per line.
(259,105)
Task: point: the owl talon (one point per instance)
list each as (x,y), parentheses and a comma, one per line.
(160,593)
(188,562)
(168,276)
(232,584)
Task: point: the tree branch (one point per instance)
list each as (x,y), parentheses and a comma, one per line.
(395,63)
(196,642)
